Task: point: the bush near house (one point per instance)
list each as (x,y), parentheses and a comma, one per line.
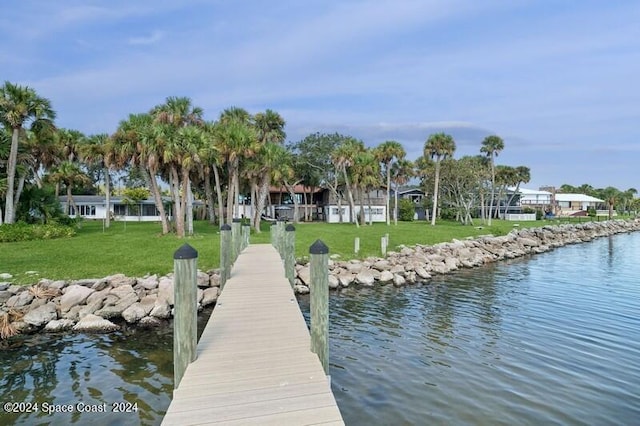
(406,210)
(24,232)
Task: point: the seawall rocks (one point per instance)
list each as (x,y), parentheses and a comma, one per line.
(418,263)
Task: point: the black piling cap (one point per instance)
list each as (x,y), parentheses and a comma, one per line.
(225,227)
(290,227)
(185,252)
(237,220)
(318,248)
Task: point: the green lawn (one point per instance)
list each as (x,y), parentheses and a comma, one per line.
(140,249)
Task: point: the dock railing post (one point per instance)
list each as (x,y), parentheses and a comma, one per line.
(290,254)
(272,233)
(280,234)
(185,317)
(235,239)
(319,303)
(225,254)
(356,245)
(383,246)
(246,231)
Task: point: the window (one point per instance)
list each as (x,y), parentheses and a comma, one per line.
(119,209)
(334,210)
(83,210)
(149,210)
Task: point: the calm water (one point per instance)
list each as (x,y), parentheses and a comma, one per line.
(553,339)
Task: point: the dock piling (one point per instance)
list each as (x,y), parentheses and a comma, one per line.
(185,317)
(319,303)
(225,254)
(290,254)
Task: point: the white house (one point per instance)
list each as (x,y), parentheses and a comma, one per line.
(95,207)
(534,198)
(569,204)
(376,214)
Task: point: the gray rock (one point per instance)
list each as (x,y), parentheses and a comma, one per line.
(203,279)
(354,267)
(118,280)
(305,275)
(59,325)
(386,276)
(215,280)
(365,278)
(90,308)
(134,313)
(100,295)
(87,282)
(422,273)
(301,289)
(5,276)
(382,265)
(15,289)
(94,323)
(4,286)
(398,280)
(165,289)
(100,285)
(42,315)
(148,283)
(333,282)
(4,296)
(19,300)
(346,279)
(74,313)
(73,296)
(161,308)
(210,296)
(149,322)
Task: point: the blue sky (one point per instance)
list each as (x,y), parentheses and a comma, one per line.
(557,80)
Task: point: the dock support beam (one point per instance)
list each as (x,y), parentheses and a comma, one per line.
(319,309)
(185,317)
(290,254)
(225,254)
(280,237)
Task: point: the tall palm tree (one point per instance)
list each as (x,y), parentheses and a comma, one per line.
(269,131)
(522,175)
(438,147)
(210,161)
(401,172)
(70,175)
(20,105)
(367,171)
(235,140)
(98,151)
(386,152)
(343,157)
(491,147)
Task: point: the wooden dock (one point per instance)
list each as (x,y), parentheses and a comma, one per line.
(254,365)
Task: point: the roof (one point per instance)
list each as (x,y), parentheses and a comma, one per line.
(100,199)
(409,190)
(578,198)
(525,191)
(296,188)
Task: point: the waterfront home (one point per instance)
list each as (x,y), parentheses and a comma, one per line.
(575,204)
(95,207)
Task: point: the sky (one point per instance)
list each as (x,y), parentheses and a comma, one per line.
(557,80)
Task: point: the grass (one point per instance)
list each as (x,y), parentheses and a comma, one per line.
(140,249)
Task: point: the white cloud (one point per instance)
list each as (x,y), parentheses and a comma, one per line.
(152,38)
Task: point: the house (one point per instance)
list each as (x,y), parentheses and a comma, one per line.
(375,198)
(416,195)
(94,207)
(574,204)
(536,199)
(281,202)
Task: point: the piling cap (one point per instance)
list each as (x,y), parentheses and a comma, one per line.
(290,227)
(318,248)
(237,220)
(185,252)
(246,224)
(225,227)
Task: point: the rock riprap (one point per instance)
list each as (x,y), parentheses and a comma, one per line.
(95,304)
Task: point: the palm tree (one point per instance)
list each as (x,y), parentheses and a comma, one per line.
(235,139)
(367,171)
(70,175)
(385,153)
(20,105)
(610,196)
(269,131)
(401,172)
(98,152)
(438,147)
(522,175)
(492,146)
(343,158)
(210,160)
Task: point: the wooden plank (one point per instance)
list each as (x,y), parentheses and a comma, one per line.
(254,362)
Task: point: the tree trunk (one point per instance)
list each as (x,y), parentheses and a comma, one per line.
(155,190)
(395,207)
(435,194)
(107,194)
(18,192)
(9,212)
(388,213)
(208,194)
(263,193)
(362,216)
(216,178)
(230,195)
(352,204)
(178,213)
(71,203)
(493,189)
(370,208)
(189,210)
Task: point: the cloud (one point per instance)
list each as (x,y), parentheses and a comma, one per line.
(152,38)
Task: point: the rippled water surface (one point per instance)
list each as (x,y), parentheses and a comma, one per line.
(552,339)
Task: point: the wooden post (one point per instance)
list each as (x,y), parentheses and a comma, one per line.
(235,239)
(272,233)
(356,245)
(383,246)
(225,254)
(319,309)
(246,231)
(290,254)
(185,317)
(280,246)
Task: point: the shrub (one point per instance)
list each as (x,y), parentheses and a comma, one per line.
(539,214)
(406,210)
(591,211)
(448,213)
(528,210)
(24,232)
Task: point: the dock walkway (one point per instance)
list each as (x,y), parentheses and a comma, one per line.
(254,364)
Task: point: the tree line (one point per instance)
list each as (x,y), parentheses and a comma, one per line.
(219,161)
